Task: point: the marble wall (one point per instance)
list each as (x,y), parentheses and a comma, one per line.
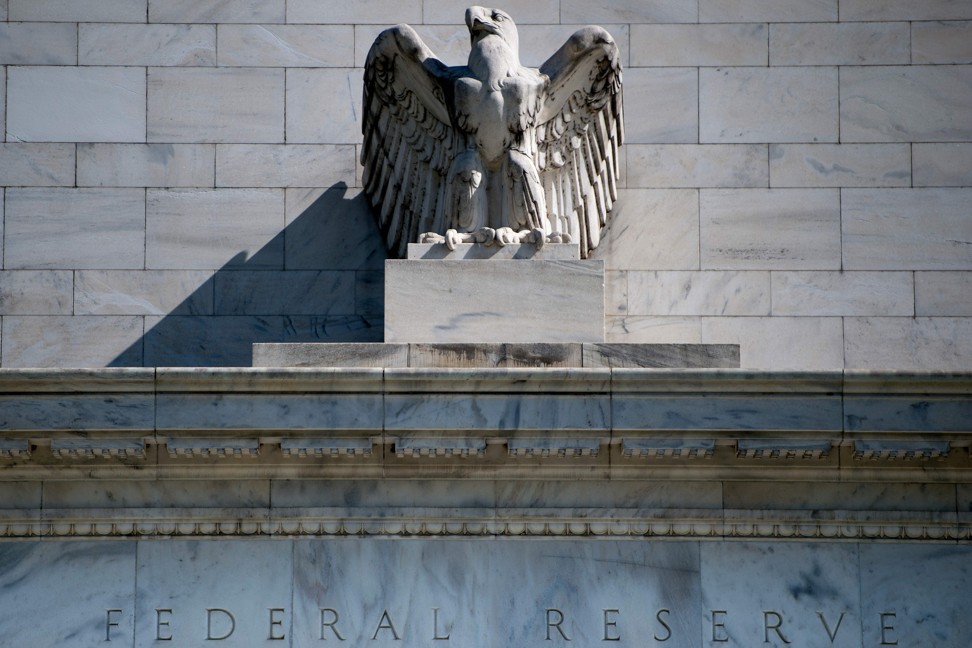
(178,178)
(492,593)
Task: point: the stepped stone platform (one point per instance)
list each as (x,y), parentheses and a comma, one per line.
(421,355)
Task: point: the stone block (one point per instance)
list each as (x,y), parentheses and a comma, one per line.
(332,229)
(283,165)
(330,355)
(22,495)
(699,45)
(363,327)
(369,293)
(759,591)
(311,94)
(459,582)
(906,103)
(942,42)
(756,104)
(146,165)
(332,412)
(77,10)
(452,11)
(209,229)
(770,229)
(904,10)
(791,343)
(449,41)
(3,100)
(36,292)
(37,165)
(196,105)
(294,292)
(132,44)
(165,568)
(444,301)
(618,493)
(107,104)
(75,228)
(653,330)
(615,292)
(719,11)
(933,343)
(660,356)
(216,11)
(942,579)
(61,341)
(697,165)
(839,496)
(671,97)
(37,589)
(652,229)
(286,45)
(628,11)
(708,412)
(38,44)
(943,293)
(165,494)
(381,12)
(662,293)
(539,42)
(198,340)
(549,252)
(146,292)
(843,293)
(840,165)
(884,43)
(116,413)
(942,165)
(906,229)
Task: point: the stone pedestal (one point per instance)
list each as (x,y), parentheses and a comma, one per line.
(519,300)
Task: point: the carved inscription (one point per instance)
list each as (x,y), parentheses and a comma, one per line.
(221,624)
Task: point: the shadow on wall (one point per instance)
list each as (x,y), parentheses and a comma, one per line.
(321,279)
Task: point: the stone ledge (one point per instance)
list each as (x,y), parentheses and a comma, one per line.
(460,355)
(684,524)
(515,423)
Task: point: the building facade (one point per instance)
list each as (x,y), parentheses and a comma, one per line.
(179,183)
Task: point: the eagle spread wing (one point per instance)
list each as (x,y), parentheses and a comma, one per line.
(409,141)
(579,131)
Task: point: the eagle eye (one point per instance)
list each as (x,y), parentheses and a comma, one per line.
(498,17)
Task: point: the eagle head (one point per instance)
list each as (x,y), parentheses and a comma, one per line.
(484,22)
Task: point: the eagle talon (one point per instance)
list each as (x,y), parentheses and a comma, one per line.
(452,239)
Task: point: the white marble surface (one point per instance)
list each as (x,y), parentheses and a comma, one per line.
(196,105)
(146,165)
(458,301)
(107,104)
(691,45)
(839,43)
(486,592)
(37,165)
(134,44)
(805,589)
(245,578)
(58,594)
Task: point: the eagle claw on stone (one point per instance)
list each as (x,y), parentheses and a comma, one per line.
(491,151)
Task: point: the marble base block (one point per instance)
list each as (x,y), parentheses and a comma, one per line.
(549,252)
(607,355)
(522,300)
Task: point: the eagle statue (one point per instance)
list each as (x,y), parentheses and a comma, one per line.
(492,151)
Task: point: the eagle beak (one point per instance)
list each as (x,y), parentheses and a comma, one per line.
(477,20)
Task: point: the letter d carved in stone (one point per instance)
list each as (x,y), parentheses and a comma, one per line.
(210,612)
